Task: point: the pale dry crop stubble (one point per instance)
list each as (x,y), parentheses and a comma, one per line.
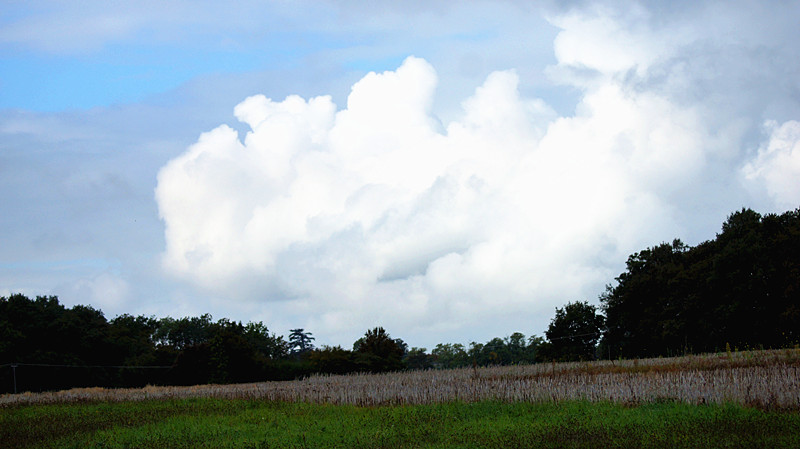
(763,379)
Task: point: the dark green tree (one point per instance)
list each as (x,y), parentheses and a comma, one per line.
(267,344)
(132,339)
(449,355)
(184,332)
(378,352)
(515,344)
(418,359)
(495,352)
(741,289)
(574,331)
(300,341)
(332,360)
(647,311)
(232,357)
(28,329)
(477,355)
(532,349)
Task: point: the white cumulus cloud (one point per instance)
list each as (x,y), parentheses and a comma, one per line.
(381,212)
(777,165)
(378,213)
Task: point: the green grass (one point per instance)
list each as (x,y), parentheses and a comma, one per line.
(213,423)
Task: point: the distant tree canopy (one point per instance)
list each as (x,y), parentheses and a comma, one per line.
(58,347)
(573,333)
(377,352)
(741,289)
(511,350)
(300,341)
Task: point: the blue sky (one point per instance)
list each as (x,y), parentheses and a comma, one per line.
(450,171)
(114,70)
(118,76)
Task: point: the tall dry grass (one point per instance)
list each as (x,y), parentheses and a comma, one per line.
(764,379)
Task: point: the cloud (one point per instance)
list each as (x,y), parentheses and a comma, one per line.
(777,165)
(381,213)
(380,210)
(90,26)
(106,291)
(60,28)
(447,205)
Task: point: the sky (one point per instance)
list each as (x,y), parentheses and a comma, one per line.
(451,171)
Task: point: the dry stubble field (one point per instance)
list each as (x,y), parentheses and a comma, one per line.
(762,379)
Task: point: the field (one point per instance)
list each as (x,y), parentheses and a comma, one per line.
(740,399)
(225,423)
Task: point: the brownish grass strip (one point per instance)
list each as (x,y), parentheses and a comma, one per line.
(764,379)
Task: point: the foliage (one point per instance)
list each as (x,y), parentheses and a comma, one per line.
(573,333)
(332,360)
(183,333)
(377,352)
(266,344)
(741,289)
(449,355)
(417,358)
(511,350)
(57,347)
(300,341)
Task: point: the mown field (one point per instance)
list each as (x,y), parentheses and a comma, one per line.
(749,399)
(228,423)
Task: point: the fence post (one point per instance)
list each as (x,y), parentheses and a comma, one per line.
(14,375)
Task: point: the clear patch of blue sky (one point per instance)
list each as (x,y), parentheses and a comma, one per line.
(56,83)
(375,64)
(125,74)
(65,264)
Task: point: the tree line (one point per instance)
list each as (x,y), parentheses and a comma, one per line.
(740,290)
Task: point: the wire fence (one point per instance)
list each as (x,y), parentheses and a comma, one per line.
(15,365)
(86,366)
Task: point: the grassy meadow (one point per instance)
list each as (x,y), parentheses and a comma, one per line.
(749,399)
(229,423)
